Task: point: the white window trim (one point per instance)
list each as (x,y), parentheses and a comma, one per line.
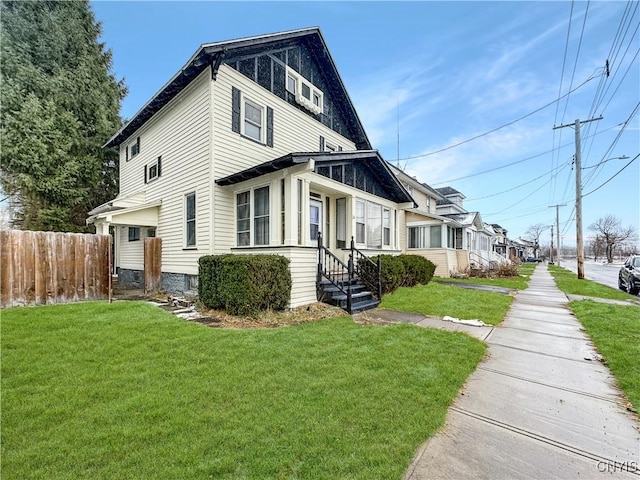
(392,225)
(186,222)
(263,119)
(252,215)
(314,91)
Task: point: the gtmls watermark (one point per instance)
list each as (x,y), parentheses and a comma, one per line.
(611,466)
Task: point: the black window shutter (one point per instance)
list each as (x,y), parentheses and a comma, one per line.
(235,110)
(269,126)
(159,166)
(138,144)
(321,143)
(145,174)
(126,153)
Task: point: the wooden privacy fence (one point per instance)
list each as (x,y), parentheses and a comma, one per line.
(152,265)
(40,268)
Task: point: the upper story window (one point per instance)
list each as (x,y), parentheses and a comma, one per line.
(306,93)
(153,170)
(251,119)
(134,148)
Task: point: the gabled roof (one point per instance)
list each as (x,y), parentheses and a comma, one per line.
(469,218)
(371,158)
(212,54)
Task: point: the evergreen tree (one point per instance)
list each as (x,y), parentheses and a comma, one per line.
(60,104)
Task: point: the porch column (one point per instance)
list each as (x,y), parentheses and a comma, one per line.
(290,210)
(304,213)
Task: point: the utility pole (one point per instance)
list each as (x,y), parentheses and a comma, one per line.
(579,244)
(551,249)
(558,228)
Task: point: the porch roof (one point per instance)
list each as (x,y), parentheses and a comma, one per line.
(141,215)
(371,158)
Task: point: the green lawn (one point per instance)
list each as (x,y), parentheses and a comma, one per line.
(615,331)
(127,391)
(568,282)
(439,300)
(515,283)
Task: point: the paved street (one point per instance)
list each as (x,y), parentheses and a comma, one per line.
(606,274)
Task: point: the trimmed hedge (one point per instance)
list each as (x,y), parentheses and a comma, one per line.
(397,271)
(417,270)
(244,284)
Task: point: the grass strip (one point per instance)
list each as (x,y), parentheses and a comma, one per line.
(615,331)
(568,282)
(436,299)
(127,391)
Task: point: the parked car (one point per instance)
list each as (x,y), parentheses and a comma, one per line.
(533,260)
(629,275)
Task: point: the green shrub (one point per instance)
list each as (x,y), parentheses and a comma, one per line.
(209,270)
(244,284)
(391,275)
(417,270)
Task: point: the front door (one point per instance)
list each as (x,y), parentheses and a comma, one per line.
(315,220)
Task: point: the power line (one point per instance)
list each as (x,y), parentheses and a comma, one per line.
(593,75)
(613,176)
(518,161)
(521,185)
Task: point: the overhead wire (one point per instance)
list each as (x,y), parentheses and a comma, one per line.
(559,169)
(475,137)
(554,158)
(476,174)
(612,177)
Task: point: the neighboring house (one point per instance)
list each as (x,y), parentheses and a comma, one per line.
(426,233)
(472,234)
(501,240)
(521,248)
(254,146)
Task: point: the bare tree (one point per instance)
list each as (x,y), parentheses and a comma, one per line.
(597,247)
(535,232)
(609,228)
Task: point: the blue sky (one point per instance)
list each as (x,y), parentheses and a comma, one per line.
(437,74)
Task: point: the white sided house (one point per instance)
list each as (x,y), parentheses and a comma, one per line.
(471,233)
(254,146)
(426,233)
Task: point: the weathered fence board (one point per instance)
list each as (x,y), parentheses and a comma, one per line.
(152,264)
(40,268)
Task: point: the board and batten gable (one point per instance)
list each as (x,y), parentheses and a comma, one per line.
(179,134)
(293,131)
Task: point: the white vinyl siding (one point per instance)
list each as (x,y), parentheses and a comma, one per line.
(293,131)
(180,133)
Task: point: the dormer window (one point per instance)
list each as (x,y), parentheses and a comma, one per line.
(305,92)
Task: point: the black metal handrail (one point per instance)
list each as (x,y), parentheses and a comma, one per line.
(355,256)
(335,271)
(342,276)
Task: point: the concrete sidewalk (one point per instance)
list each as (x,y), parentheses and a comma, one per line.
(540,405)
